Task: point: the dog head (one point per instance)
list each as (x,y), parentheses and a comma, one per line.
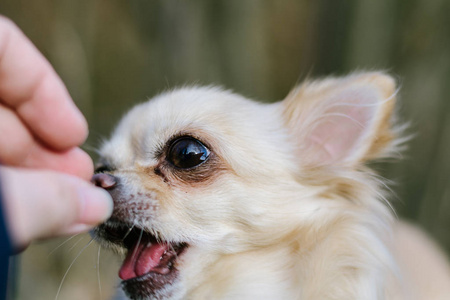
(197,174)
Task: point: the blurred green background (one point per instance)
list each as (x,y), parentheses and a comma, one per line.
(112,54)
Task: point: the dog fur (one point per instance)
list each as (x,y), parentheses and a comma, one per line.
(285,206)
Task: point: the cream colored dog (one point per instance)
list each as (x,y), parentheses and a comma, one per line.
(220,197)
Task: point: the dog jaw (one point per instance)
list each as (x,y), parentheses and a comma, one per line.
(273,212)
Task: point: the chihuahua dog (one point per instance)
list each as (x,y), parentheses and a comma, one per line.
(220,197)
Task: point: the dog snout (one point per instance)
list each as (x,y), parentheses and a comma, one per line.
(105,181)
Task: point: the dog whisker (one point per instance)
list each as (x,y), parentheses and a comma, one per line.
(90,148)
(76,243)
(139,241)
(63,243)
(128,232)
(98,272)
(70,266)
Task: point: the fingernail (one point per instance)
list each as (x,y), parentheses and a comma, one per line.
(78,228)
(97,205)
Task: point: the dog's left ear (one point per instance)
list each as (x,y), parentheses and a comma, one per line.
(343,121)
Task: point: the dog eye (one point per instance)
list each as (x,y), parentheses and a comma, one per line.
(186,153)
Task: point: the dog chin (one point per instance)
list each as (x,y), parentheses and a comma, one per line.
(150,269)
(181,266)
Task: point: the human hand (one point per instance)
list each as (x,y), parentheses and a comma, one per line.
(44,175)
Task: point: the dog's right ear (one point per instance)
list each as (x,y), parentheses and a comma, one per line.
(344,121)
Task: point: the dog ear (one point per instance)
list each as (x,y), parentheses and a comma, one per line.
(342,121)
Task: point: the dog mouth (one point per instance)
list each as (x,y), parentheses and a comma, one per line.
(149,259)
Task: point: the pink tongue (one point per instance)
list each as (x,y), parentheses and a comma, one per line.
(142,259)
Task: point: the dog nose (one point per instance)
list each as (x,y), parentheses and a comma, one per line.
(105,181)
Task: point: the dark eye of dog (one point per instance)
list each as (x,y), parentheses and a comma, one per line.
(186,153)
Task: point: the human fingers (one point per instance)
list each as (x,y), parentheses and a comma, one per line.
(17,141)
(44,204)
(20,149)
(30,86)
(74,161)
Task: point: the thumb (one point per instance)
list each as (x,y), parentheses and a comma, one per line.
(42,204)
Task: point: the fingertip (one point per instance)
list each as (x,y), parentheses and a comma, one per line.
(96,205)
(53,116)
(74,161)
(52,204)
(30,86)
(73,127)
(83,127)
(82,165)
(77,228)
